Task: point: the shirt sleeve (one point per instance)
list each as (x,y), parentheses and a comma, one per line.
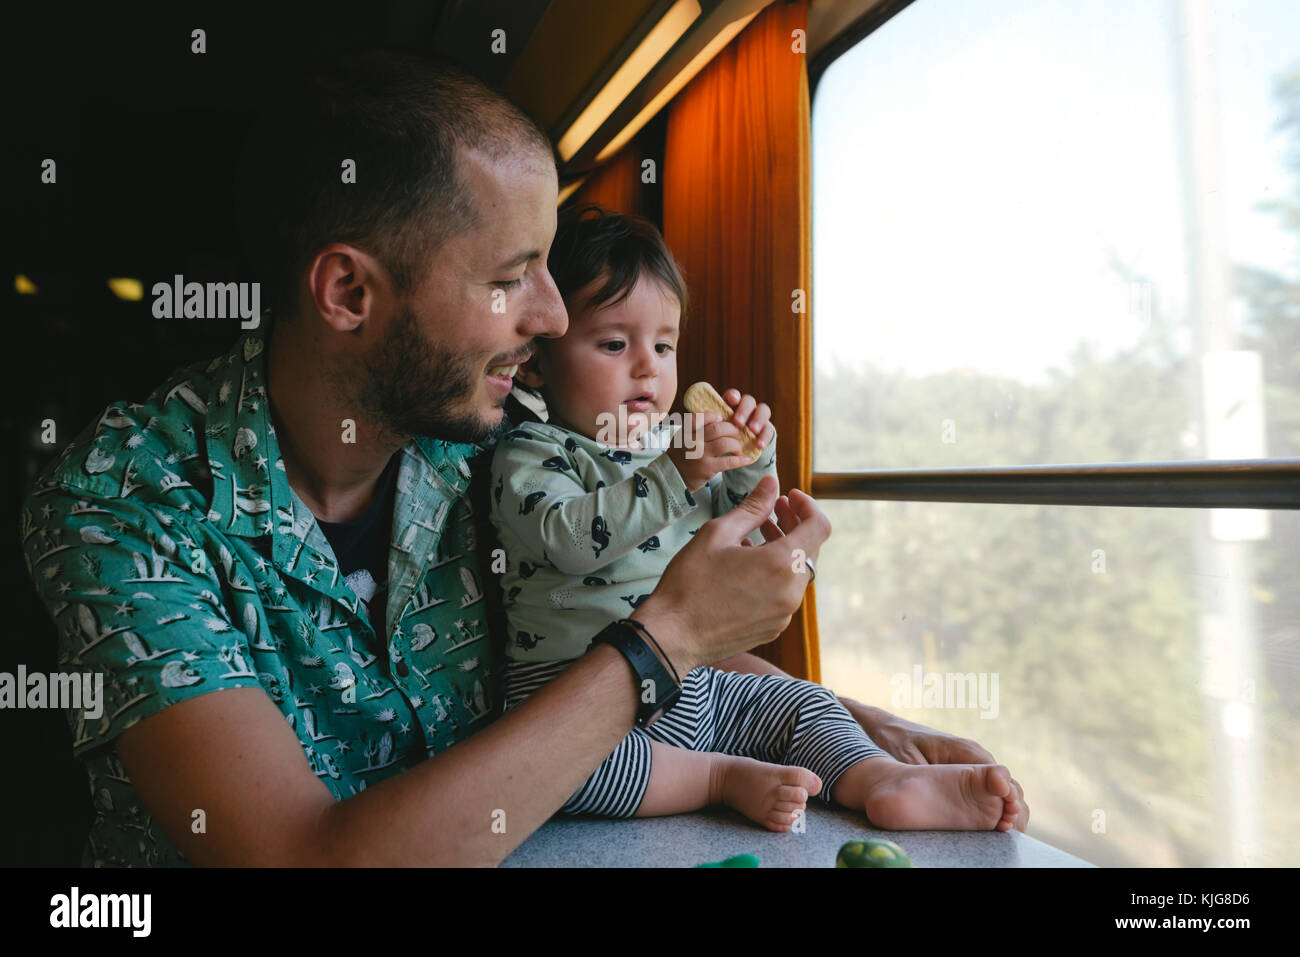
(134,600)
(544,502)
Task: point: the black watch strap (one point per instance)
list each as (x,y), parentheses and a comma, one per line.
(659,689)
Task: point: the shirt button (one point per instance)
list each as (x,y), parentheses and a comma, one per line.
(402,670)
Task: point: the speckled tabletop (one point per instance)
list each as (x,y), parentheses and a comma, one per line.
(689,839)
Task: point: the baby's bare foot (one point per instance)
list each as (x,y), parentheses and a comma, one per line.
(1014,812)
(772,795)
(941,797)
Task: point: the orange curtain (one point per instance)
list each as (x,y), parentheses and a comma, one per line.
(737,214)
(616,184)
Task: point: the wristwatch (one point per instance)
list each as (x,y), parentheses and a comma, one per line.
(659,688)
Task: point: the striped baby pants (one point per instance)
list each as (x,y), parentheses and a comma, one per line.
(767,717)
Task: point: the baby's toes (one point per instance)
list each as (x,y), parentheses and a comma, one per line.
(782,820)
(788,806)
(792,795)
(998,781)
(1010,815)
(777,822)
(801,778)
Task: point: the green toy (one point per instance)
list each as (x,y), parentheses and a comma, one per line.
(872,852)
(740,860)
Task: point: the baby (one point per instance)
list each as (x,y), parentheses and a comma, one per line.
(589,518)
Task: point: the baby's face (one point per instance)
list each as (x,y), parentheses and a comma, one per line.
(611,356)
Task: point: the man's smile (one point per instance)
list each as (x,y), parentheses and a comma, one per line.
(509,367)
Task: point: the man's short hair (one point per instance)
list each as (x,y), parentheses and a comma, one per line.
(591,242)
(401,120)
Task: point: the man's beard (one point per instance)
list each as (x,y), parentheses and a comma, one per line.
(409,387)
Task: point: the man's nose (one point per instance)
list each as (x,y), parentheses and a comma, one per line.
(547,316)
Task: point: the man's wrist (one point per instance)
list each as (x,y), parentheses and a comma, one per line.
(653,644)
(660,686)
(611,657)
(663,624)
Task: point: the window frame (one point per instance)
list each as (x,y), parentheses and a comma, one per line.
(1271,483)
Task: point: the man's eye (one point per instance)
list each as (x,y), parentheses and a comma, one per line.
(508,283)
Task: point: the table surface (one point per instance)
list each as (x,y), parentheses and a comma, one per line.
(685,840)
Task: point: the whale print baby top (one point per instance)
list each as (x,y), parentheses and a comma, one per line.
(175,559)
(588,530)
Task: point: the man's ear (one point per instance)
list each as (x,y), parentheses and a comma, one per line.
(530,373)
(345,285)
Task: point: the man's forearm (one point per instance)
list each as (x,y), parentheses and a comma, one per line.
(476,802)
(519,771)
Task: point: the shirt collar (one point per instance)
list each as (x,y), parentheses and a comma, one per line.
(451,459)
(250,490)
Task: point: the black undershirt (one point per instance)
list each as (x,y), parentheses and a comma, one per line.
(361,547)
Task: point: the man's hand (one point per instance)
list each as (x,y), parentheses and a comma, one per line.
(717,598)
(913,743)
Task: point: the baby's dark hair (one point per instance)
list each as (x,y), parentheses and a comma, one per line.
(591,241)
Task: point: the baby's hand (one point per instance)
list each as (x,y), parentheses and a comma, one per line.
(704,448)
(752,414)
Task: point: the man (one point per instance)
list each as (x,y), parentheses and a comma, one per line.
(293,524)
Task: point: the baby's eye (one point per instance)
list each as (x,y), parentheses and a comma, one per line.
(664,348)
(617,345)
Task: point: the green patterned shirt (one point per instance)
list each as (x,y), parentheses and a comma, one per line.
(175,560)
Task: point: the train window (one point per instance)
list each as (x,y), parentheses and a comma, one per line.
(1150,707)
(1047,232)
(1003,196)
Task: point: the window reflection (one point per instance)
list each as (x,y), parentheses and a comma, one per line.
(1147,696)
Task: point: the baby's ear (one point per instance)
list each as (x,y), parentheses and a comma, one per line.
(530,373)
